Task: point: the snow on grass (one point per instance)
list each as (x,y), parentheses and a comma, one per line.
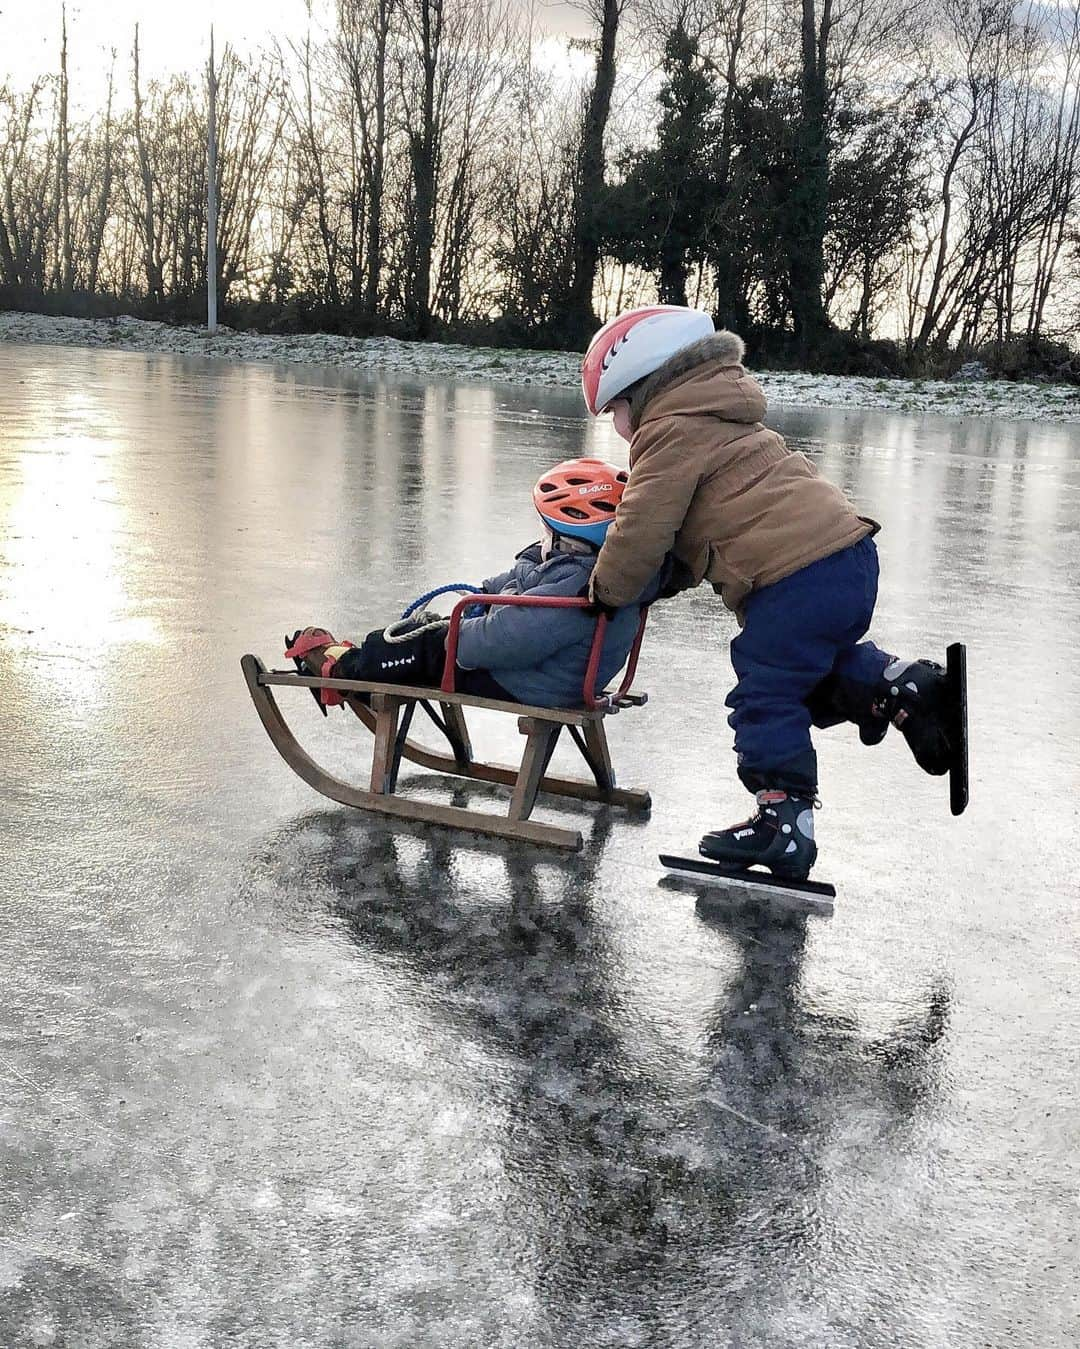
(992,398)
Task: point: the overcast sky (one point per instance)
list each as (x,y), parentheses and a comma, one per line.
(173,34)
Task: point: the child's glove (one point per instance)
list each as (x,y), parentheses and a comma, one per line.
(596,607)
(677,578)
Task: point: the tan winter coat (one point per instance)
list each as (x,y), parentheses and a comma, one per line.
(714,486)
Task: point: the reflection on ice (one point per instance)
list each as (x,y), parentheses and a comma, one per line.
(65,538)
(633,1190)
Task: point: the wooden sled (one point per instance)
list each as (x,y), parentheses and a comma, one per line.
(390,714)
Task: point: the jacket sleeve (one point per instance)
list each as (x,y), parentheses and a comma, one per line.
(650,515)
(515,637)
(493,585)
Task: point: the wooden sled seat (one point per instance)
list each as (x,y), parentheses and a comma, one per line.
(388,713)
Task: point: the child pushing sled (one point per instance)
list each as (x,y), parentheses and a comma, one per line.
(713,487)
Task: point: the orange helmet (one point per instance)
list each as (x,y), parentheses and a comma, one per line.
(578,498)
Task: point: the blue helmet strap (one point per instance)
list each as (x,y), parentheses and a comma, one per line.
(570,536)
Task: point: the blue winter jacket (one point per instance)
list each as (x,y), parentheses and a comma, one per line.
(540,655)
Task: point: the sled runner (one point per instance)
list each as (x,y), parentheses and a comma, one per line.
(388,712)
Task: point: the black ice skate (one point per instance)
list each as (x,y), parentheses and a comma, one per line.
(928,705)
(914,698)
(780,836)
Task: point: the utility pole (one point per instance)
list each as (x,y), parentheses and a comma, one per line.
(211,196)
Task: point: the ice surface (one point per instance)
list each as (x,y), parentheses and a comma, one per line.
(279,1075)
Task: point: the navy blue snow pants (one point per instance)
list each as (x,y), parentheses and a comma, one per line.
(799,663)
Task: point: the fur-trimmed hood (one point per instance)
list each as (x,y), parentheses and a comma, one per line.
(710,371)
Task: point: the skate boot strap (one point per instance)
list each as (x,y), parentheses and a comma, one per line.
(332,697)
(773,796)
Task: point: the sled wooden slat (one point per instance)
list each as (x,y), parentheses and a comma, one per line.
(567,716)
(539,747)
(389,717)
(598,758)
(457,733)
(384,760)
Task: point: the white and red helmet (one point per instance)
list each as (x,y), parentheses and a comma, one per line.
(633,345)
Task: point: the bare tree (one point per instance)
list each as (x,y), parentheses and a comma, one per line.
(147,219)
(314,168)
(583,252)
(66,265)
(102,183)
(974,30)
(533,196)
(1063,157)
(479,55)
(27,164)
(251,118)
(419,171)
(364,28)
(419,69)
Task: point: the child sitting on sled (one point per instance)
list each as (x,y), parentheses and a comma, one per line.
(510,652)
(782,546)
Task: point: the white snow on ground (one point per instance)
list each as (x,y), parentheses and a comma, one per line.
(992,398)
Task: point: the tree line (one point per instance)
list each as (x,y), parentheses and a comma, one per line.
(858,184)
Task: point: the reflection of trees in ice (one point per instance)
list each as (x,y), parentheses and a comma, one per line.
(651,1208)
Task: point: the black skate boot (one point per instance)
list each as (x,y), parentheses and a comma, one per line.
(780,836)
(915,697)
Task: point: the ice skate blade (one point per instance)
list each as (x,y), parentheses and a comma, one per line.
(956,680)
(812,896)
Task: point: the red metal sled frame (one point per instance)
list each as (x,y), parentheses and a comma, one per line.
(607,701)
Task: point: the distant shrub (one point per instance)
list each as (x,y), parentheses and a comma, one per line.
(78,304)
(1039,359)
(510,330)
(839,352)
(847,354)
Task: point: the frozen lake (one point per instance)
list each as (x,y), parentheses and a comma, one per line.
(275,1074)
